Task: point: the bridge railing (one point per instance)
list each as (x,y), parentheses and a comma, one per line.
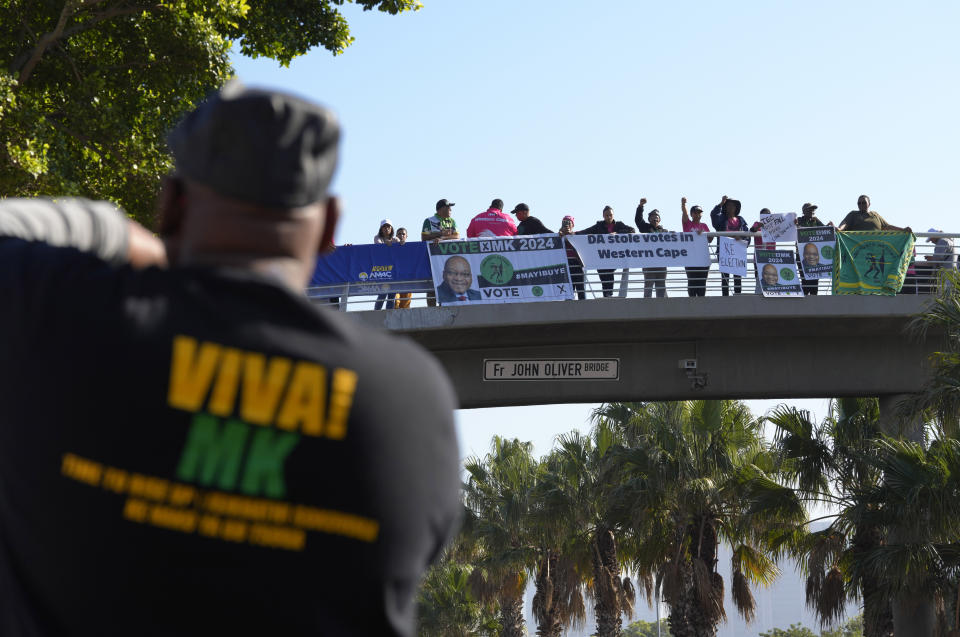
(632,283)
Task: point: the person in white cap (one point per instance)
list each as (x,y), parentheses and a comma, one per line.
(385,237)
(943,257)
(385,233)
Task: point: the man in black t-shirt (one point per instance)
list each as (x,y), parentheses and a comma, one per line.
(195,449)
(528,224)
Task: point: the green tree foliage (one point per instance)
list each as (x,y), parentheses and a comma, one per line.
(851,628)
(89,88)
(641,628)
(940,397)
(446,608)
(795,630)
(832,463)
(499,499)
(699,469)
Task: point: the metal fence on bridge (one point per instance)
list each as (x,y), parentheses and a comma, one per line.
(922,278)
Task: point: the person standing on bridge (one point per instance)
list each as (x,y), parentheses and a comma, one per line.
(654,279)
(808,220)
(696,276)
(725,217)
(865,220)
(385,237)
(439,227)
(528,224)
(573,257)
(607,225)
(188,446)
(492,223)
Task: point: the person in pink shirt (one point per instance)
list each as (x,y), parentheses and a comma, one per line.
(696,276)
(492,223)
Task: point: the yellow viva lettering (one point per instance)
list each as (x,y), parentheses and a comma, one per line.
(303,404)
(261,390)
(291,395)
(191,372)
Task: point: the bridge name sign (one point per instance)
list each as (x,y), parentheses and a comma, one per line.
(551,369)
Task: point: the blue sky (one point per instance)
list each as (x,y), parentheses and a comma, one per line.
(570,106)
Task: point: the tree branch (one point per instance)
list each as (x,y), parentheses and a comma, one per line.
(61,32)
(106,15)
(45,41)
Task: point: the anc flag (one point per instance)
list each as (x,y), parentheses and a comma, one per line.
(871,262)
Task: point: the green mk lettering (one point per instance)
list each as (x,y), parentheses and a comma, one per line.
(214,456)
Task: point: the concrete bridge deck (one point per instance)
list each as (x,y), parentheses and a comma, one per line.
(744,347)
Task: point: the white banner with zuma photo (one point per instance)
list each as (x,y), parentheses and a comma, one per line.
(653,250)
(500,270)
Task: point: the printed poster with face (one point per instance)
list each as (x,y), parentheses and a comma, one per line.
(500,270)
(777,273)
(816,247)
(732,256)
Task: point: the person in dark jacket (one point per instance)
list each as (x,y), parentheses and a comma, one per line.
(528,224)
(725,217)
(607,225)
(573,258)
(654,279)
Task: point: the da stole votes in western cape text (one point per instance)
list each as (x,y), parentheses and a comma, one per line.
(659,237)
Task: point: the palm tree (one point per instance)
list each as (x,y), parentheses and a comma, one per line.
(695,468)
(831,464)
(941,395)
(446,608)
(498,496)
(916,504)
(558,602)
(579,485)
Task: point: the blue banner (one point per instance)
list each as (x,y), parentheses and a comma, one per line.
(373,265)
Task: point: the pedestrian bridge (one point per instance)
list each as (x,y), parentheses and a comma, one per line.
(635,349)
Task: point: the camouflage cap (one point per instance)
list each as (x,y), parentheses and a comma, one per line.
(269,148)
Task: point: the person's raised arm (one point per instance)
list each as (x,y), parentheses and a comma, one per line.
(638,217)
(685,219)
(96,227)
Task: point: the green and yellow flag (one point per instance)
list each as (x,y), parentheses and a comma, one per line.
(871,262)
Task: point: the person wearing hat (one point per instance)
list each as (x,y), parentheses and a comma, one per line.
(528,224)
(188,446)
(439,226)
(696,276)
(573,258)
(385,237)
(607,225)
(654,278)
(725,217)
(943,258)
(808,220)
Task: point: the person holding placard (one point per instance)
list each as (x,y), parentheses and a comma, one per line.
(654,279)
(696,276)
(607,225)
(725,217)
(810,252)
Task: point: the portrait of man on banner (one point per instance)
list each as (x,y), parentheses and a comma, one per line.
(457,279)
